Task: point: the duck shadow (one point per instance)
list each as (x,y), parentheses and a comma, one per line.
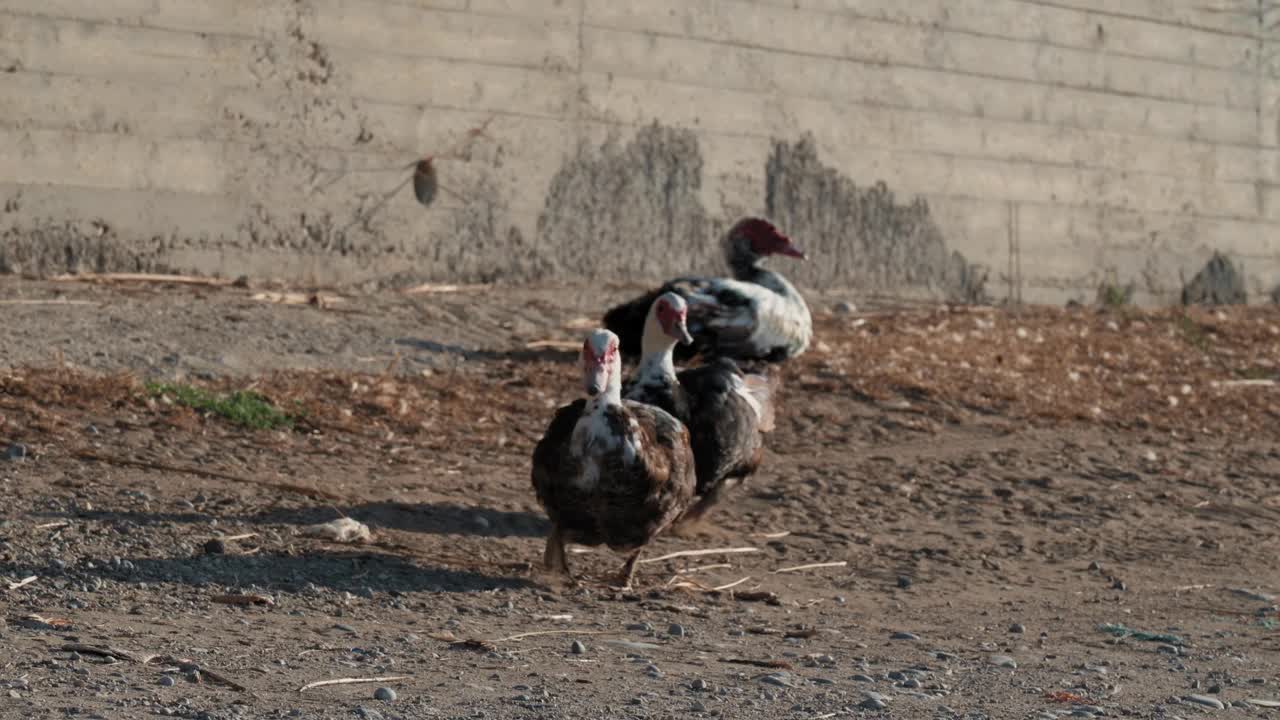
(354,572)
(522,354)
(430,518)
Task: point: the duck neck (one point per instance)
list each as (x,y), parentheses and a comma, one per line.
(657,350)
(744,263)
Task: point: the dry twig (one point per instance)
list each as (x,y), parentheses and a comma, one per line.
(351,681)
(141,277)
(535,633)
(23,582)
(775,664)
(699,553)
(244,600)
(812,566)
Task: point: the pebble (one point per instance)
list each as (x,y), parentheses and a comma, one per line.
(384,693)
(577,648)
(640,627)
(215,547)
(911,683)
(368,713)
(874,701)
(1263,703)
(697,706)
(1095,566)
(167,681)
(16,452)
(896,676)
(1003,661)
(1017,628)
(1206,701)
(862,678)
(676,630)
(902,635)
(904,582)
(1170,649)
(700,684)
(844,308)
(779,679)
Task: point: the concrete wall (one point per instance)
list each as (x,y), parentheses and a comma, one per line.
(1024,148)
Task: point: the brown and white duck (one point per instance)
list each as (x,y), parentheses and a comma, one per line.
(725,410)
(610,471)
(755,316)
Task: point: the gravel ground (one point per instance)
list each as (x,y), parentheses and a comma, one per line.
(1048,513)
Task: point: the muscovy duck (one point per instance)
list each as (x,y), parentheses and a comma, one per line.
(610,471)
(755,316)
(724,409)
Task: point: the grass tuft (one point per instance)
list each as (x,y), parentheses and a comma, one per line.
(245,408)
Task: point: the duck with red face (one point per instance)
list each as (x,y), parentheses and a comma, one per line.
(610,471)
(754,316)
(725,410)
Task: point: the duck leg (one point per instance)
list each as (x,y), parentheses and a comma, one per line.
(628,570)
(695,516)
(553,558)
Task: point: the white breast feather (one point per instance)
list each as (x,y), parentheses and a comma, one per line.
(741,389)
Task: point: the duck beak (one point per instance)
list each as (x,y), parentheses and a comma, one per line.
(594,379)
(682,333)
(790,250)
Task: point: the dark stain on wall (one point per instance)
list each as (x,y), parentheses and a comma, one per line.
(861,237)
(628,212)
(52,248)
(1217,283)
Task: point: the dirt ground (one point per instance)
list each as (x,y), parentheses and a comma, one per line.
(983,490)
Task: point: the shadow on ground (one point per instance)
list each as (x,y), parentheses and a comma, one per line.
(357,573)
(432,518)
(523,354)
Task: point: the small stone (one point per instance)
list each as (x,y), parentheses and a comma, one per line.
(697,706)
(676,630)
(903,635)
(1264,703)
(1206,701)
(1003,661)
(16,452)
(215,547)
(1095,566)
(779,679)
(1017,628)
(874,701)
(896,676)
(904,582)
(385,694)
(640,627)
(577,648)
(167,681)
(911,683)
(700,685)
(862,678)
(1118,584)
(368,713)
(1169,649)
(844,308)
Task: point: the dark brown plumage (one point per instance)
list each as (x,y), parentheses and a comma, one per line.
(725,410)
(608,471)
